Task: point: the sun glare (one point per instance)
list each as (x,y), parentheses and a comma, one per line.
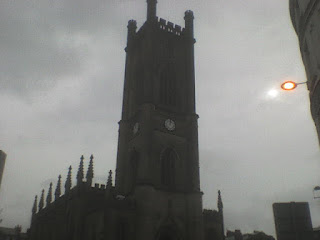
(272,93)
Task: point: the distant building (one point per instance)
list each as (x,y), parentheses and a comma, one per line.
(236,235)
(306,21)
(316,233)
(2,163)
(293,221)
(256,235)
(12,233)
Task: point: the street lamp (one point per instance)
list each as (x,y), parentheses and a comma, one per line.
(290,85)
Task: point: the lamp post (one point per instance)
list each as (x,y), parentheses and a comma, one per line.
(290,85)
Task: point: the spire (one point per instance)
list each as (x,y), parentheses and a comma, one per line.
(57,193)
(152,10)
(132,29)
(80,171)
(68,183)
(220,207)
(89,175)
(188,18)
(41,202)
(35,207)
(220,204)
(49,196)
(109,182)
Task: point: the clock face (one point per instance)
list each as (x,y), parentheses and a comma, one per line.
(169,124)
(135,128)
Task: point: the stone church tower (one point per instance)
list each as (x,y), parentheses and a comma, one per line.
(157,185)
(158,160)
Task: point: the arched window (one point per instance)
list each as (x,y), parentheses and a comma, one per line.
(134,161)
(93,235)
(121,231)
(168,232)
(168,162)
(165,237)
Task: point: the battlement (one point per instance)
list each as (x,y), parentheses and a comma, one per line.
(189,15)
(169,27)
(99,186)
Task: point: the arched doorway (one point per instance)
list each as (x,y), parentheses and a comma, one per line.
(168,232)
(134,162)
(168,162)
(166,237)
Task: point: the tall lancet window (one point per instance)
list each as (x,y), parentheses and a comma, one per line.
(134,161)
(168,85)
(168,162)
(121,231)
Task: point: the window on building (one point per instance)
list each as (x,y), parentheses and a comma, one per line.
(121,231)
(168,161)
(134,161)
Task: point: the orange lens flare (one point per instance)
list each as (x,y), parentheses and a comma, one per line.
(288,85)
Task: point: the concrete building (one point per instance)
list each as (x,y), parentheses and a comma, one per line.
(12,233)
(293,221)
(236,235)
(3,157)
(306,21)
(257,235)
(157,185)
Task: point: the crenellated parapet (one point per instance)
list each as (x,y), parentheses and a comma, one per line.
(163,25)
(169,27)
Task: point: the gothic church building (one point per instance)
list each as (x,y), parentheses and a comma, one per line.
(157,193)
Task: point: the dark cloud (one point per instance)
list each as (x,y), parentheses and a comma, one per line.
(61,78)
(43,42)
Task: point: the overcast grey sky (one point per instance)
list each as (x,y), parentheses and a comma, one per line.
(61,78)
